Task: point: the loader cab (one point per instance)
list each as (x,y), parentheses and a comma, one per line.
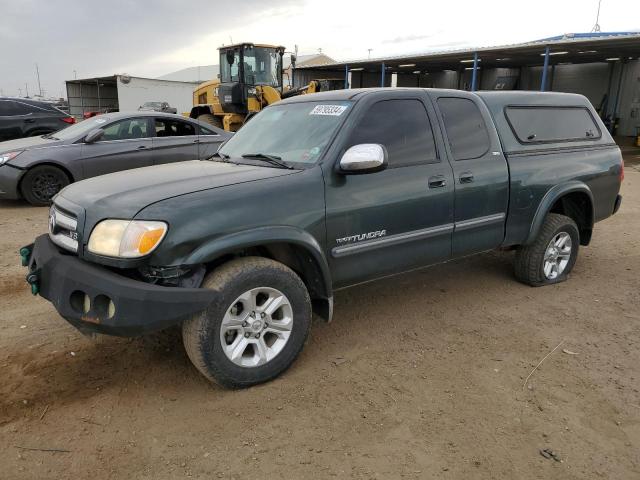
(243,67)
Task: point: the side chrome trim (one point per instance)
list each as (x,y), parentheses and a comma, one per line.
(365,246)
(479,221)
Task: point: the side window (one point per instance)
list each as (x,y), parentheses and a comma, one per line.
(403,127)
(552,124)
(206,131)
(202,98)
(173,128)
(126,130)
(9,108)
(466,130)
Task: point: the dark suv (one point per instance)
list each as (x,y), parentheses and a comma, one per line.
(22,117)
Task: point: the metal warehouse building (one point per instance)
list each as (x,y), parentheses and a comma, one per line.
(605,67)
(125,93)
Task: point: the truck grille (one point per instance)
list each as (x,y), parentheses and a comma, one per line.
(63,229)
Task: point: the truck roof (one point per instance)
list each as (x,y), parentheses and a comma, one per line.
(498,104)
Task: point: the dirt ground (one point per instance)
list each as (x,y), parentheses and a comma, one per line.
(417,377)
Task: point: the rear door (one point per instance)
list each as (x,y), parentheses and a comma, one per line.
(398,218)
(126,144)
(480,172)
(175,140)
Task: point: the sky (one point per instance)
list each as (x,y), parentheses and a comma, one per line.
(87,38)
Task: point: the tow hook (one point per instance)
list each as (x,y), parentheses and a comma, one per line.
(25,255)
(33,276)
(32,279)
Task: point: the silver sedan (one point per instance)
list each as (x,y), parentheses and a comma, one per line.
(37,168)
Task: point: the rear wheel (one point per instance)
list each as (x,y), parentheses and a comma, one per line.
(211,120)
(41,183)
(551,257)
(256,329)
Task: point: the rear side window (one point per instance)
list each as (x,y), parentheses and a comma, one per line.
(466,130)
(552,124)
(173,128)
(403,127)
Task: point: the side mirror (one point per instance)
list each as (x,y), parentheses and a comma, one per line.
(94,135)
(294,59)
(364,158)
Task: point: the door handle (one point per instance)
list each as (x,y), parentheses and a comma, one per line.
(197,140)
(30,120)
(466,177)
(142,147)
(437,181)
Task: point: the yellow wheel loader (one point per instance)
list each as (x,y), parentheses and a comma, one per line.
(250,79)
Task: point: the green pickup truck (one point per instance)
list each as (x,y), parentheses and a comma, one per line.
(317,193)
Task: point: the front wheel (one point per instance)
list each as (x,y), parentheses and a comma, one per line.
(40,184)
(551,257)
(257,327)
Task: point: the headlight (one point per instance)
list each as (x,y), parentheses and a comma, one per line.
(126,238)
(5,157)
(251,90)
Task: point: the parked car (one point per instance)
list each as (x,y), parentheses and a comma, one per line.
(23,117)
(37,168)
(157,107)
(95,113)
(318,193)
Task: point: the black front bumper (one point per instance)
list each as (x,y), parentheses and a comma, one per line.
(95,299)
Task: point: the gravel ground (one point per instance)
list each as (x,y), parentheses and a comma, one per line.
(418,377)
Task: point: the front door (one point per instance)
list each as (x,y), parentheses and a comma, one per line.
(125,144)
(480,171)
(390,221)
(175,141)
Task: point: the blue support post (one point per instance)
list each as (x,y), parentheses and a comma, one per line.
(543,83)
(382,80)
(346,77)
(474,76)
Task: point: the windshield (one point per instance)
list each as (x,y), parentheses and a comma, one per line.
(80,129)
(261,66)
(297,132)
(152,104)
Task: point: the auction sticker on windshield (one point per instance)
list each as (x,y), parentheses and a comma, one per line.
(335,110)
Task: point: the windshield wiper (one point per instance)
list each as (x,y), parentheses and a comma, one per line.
(223,156)
(272,159)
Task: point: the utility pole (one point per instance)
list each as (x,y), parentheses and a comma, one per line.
(38,77)
(75,75)
(369,50)
(596,27)
(19,92)
(26,88)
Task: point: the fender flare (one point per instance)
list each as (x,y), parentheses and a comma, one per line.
(552,195)
(260,236)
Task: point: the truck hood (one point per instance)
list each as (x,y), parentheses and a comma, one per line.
(123,194)
(27,144)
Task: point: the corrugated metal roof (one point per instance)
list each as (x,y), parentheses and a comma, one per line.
(566,39)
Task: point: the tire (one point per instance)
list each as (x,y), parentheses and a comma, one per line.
(534,264)
(209,336)
(41,183)
(211,120)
